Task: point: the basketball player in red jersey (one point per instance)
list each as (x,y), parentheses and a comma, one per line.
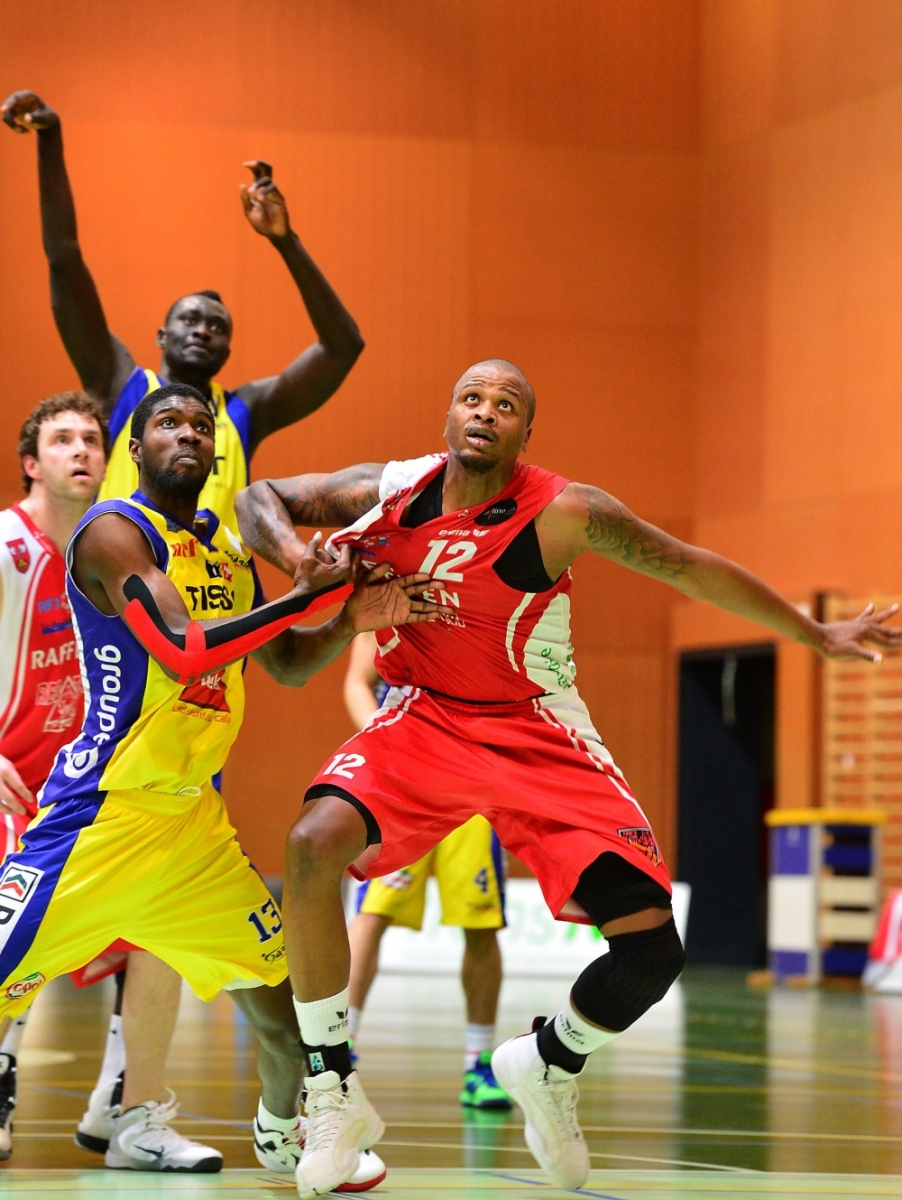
(62,448)
(483,718)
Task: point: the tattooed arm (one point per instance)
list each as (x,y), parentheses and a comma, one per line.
(585,518)
(269,510)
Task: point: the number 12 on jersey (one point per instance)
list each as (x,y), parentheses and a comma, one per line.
(457,554)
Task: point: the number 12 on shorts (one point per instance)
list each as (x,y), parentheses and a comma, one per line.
(345,765)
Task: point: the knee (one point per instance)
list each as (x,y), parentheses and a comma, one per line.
(616,989)
(482,943)
(317,845)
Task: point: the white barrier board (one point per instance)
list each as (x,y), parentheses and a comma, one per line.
(533,944)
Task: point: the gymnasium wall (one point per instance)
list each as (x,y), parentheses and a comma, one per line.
(799,434)
(476,177)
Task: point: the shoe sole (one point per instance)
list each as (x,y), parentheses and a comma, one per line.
(488,1105)
(206,1166)
(87,1141)
(364,1186)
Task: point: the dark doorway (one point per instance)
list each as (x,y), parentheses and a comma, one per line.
(726,784)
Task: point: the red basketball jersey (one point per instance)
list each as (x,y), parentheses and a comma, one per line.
(494,642)
(41,703)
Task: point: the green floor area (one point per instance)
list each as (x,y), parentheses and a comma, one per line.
(734,1089)
(474,1185)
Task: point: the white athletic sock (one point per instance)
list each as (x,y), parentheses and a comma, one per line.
(13,1039)
(324,1022)
(479,1039)
(114,1053)
(268,1120)
(354,1015)
(577,1034)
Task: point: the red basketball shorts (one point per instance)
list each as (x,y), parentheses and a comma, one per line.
(536,769)
(114,958)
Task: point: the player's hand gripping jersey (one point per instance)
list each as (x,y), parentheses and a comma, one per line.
(143,729)
(505,627)
(483,715)
(40,679)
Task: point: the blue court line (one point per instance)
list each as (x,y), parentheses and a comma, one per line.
(541,1183)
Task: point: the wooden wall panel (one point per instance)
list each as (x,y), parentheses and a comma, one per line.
(475,176)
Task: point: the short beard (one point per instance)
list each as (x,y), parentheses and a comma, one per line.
(475,464)
(173,483)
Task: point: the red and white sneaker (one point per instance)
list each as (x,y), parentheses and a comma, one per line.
(341,1123)
(280,1150)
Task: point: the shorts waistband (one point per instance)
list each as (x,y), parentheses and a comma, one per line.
(484,708)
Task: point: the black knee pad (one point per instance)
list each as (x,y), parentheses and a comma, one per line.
(616,989)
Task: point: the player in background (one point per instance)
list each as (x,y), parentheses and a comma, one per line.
(469,869)
(195,342)
(166,607)
(62,450)
(483,716)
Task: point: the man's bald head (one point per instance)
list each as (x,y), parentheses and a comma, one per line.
(497,366)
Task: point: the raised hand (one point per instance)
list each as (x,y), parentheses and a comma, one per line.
(12,790)
(264,204)
(378,602)
(853,638)
(24,111)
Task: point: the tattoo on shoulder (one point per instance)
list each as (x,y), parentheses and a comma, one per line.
(619,534)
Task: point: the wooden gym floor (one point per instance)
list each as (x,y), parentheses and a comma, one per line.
(719,1091)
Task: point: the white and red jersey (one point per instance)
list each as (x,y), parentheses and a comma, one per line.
(41,703)
(504,634)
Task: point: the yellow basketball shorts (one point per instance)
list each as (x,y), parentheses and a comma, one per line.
(163,872)
(469,870)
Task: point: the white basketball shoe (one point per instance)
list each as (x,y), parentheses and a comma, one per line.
(341,1123)
(142,1140)
(548,1096)
(96,1124)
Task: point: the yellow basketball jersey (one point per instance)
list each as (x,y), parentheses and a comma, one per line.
(232,450)
(143,729)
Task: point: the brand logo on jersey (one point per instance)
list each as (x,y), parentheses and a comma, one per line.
(79,762)
(205,699)
(183,549)
(20,554)
(61,696)
(497,513)
(218,570)
(17,883)
(24,987)
(644,840)
(52,657)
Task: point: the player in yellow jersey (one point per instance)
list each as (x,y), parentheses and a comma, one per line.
(163,599)
(195,342)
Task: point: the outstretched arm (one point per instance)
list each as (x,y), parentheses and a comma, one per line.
(377,602)
(311,379)
(586,518)
(269,509)
(103,363)
(114,567)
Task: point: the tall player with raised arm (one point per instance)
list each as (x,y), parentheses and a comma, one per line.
(484,718)
(195,343)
